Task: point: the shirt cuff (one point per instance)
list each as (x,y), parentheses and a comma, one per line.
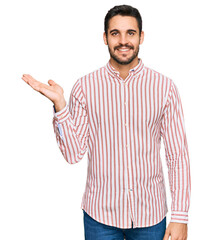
(62,115)
(179,217)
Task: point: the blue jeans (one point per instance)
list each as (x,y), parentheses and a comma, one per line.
(94,230)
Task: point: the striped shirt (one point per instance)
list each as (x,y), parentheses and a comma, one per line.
(120,123)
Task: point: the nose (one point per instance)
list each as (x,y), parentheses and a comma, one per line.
(123,39)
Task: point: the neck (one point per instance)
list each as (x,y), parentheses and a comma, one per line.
(124,69)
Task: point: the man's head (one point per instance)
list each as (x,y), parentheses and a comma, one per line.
(123,33)
(122,10)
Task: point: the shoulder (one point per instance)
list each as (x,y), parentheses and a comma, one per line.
(157,74)
(92,75)
(83,83)
(163,80)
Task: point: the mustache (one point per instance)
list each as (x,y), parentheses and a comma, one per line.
(123,45)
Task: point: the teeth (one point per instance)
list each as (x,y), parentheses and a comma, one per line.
(123,49)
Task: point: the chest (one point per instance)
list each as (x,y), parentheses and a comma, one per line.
(137,102)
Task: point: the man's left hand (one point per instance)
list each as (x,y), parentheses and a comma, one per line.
(177,231)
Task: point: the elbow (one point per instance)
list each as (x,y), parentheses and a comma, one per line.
(73,159)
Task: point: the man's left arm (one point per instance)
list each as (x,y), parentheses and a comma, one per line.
(177,158)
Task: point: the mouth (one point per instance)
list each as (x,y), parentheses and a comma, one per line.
(123,49)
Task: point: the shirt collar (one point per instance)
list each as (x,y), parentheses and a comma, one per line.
(134,70)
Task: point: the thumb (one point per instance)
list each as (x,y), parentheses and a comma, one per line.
(51,82)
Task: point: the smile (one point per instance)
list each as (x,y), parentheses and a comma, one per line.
(123,49)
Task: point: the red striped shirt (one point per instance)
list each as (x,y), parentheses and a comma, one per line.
(120,124)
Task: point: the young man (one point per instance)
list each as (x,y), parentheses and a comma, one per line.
(118,114)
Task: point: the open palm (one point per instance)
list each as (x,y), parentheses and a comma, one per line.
(53,91)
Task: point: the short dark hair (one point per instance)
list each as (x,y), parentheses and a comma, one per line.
(123,10)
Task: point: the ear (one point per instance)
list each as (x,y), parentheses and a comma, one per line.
(105,38)
(142,37)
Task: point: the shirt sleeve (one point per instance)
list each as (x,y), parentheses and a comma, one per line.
(177,157)
(71,126)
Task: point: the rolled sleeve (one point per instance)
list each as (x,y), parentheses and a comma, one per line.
(62,115)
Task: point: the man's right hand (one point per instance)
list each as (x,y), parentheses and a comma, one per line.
(54,92)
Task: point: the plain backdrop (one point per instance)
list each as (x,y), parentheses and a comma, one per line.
(40,193)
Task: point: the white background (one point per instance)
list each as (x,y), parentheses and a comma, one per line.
(40,193)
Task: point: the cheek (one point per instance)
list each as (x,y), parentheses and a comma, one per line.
(136,42)
(112,41)
(111,44)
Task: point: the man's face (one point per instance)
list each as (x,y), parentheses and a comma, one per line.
(123,39)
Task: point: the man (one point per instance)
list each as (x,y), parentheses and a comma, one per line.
(118,114)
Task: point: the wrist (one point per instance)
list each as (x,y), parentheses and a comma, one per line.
(59,105)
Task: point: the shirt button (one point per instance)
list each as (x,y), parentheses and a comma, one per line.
(127,145)
(130,190)
(125,103)
(125,124)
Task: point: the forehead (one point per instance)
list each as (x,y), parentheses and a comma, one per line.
(123,23)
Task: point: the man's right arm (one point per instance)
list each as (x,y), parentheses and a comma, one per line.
(71,126)
(70,122)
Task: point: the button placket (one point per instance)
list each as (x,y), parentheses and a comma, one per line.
(130,189)
(128,174)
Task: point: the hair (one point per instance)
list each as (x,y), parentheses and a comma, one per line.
(123,10)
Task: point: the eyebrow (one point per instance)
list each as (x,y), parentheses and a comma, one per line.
(129,30)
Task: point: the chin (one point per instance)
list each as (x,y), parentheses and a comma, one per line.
(124,61)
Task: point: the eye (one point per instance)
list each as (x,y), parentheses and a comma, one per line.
(131,33)
(114,33)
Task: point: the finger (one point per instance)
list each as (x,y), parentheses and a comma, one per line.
(42,88)
(29,79)
(25,78)
(28,76)
(36,85)
(166,236)
(33,83)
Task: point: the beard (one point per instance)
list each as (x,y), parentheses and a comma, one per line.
(118,59)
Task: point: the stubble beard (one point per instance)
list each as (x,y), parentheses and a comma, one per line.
(124,62)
